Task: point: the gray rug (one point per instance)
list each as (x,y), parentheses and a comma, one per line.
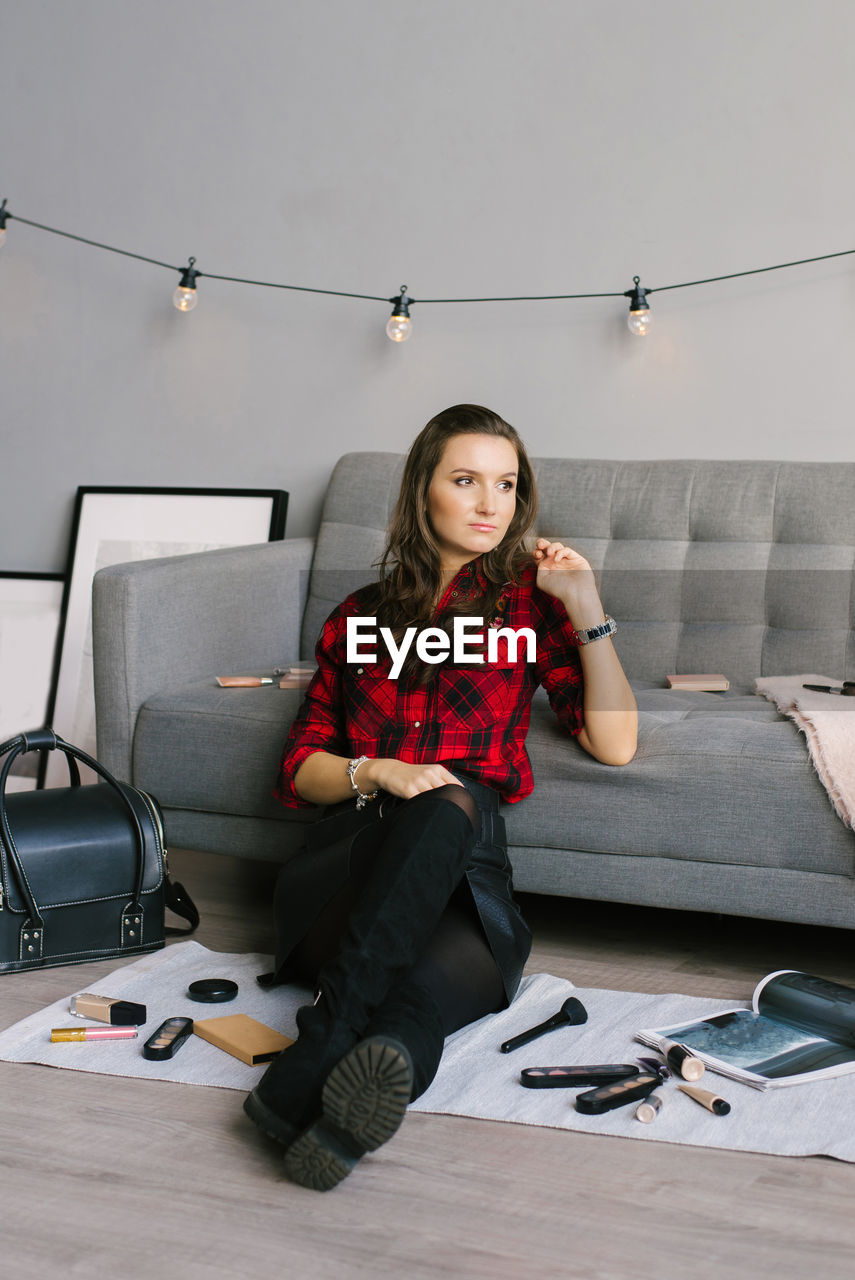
(474,1079)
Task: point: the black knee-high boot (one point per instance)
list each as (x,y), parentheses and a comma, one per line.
(411,1015)
(366,1093)
(422,860)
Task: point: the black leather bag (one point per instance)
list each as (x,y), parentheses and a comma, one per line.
(84,868)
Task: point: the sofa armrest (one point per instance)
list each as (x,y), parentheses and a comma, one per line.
(158,624)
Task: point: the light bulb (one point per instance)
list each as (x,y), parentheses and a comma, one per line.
(639,322)
(399,326)
(184,298)
(639,318)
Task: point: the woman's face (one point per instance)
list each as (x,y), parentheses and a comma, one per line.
(472,497)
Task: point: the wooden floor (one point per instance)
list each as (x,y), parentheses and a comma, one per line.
(131,1178)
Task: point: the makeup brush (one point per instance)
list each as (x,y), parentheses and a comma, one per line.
(571,1013)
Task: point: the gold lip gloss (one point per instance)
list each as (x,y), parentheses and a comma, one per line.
(69,1035)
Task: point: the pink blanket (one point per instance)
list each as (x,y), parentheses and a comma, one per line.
(828,723)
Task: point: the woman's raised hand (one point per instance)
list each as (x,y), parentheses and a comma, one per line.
(406,780)
(565,574)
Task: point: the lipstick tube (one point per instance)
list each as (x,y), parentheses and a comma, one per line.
(68,1035)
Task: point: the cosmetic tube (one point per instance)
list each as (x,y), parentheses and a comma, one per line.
(68,1035)
(711,1101)
(682,1061)
(649,1109)
(120,1013)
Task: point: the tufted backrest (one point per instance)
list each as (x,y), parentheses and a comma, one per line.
(747,568)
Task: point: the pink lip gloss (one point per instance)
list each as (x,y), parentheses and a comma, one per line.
(63,1035)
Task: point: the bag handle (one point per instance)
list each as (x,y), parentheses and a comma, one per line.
(47,740)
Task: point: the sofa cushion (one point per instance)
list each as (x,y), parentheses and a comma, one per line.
(237,737)
(718,778)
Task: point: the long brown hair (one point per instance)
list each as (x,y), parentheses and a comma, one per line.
(410,576)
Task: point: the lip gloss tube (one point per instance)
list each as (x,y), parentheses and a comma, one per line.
(66,1035)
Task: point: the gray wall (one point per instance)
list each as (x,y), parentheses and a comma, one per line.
(461,146)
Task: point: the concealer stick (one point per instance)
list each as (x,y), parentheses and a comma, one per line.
(706,1098)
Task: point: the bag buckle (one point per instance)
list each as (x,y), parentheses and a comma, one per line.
(31,941)
(132,925)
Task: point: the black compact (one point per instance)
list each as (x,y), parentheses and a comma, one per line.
(212,990)
(167,1039)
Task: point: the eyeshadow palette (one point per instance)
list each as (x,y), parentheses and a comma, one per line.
(167,1039)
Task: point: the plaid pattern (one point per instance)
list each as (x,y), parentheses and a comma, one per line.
(470,718)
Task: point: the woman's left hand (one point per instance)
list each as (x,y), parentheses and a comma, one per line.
(566,575)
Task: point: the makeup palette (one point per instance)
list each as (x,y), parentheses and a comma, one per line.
(596,1101)
(575,1077)
(167,1039)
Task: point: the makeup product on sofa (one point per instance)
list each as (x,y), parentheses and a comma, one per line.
(682,1061)
(576,1077)
(212,990)
(706,1098)
(167,1039)
(120,1013)
(76,1035)
(649,1108)
(847,689)
(243,1037)
(572,1013)
(244,682)
(620,1094)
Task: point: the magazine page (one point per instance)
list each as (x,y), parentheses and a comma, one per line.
(812,1004)
(759,1048)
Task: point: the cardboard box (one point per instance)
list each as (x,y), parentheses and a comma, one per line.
(243,1037)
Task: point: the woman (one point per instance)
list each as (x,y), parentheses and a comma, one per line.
(400,911)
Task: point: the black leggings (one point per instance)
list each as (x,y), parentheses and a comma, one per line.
(456,966)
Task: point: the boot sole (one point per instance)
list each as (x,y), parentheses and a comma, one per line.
(364,1101)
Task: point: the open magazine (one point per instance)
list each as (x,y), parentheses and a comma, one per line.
(799,1028)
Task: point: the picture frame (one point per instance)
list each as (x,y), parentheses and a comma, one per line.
(117,525)
(30,610)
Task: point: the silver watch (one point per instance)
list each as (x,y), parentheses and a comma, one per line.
(607,628)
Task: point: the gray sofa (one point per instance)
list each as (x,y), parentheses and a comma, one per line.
(744,568)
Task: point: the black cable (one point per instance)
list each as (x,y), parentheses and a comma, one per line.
(371,297)
(662,288)
(96,243)
(534,297)
(300,288)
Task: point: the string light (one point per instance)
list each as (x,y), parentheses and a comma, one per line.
(639,318)
(185,297)
(399,326)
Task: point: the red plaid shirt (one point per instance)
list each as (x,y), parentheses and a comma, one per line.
(472,718)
